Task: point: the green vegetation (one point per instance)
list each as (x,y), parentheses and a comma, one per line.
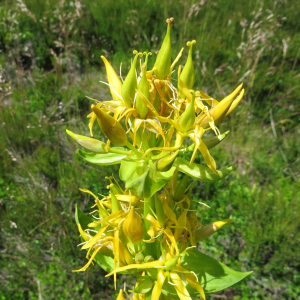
(50,59)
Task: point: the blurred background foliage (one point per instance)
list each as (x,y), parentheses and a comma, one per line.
(50,59)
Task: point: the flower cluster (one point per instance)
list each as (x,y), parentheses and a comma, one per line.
(150,228)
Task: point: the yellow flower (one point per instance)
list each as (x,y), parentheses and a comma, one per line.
(169,267)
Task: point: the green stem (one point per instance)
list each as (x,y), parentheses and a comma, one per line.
(114,150)
(134,150)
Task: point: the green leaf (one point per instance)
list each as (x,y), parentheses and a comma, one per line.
(141,177)
(200,172)
(144,286)
(212,274)
(105,262)
(102,159)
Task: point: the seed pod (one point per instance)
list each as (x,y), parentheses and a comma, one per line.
(165,164)
(113,79)
(180,188)
(159,211)
(209,230)
(163,60)
(148,258)
(188,117)
(115,204)
(133,226)
(143,87)
(188,73)
(139,258)
(112,129)
(130,83)
(88,143)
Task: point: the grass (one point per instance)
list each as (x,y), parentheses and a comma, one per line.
(47,68)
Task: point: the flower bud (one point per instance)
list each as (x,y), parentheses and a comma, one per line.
(133,226)
(120,296)
(188,73)
(143,87)
(222,109)
(139,258)
(115,204)
(165,164)
(163,60)
(112,129)
(148,258)
(113,80)
(130,83)
(188,117)
(209,230)
(88,143)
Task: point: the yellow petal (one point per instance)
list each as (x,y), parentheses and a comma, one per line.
(95,238)
(150,265)
(158,285)
(128,198)
(120,295)
(152,220)
(110,218)
(170,213)
(89,262)
(181,224)
(83,233)
(235,103)
(176,60)
(170,235)
(181,290)
(113,80)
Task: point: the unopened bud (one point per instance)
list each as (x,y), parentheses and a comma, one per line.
(139,258)
(112,129)
(148,258)
(88,143)
(133,226)
(165,164)
(209,230)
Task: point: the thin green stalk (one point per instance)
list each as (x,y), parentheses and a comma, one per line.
(134,150)
(114,150)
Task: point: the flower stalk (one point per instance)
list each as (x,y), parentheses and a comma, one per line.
(149,225)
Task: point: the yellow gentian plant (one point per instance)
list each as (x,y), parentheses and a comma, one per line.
(148,227)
